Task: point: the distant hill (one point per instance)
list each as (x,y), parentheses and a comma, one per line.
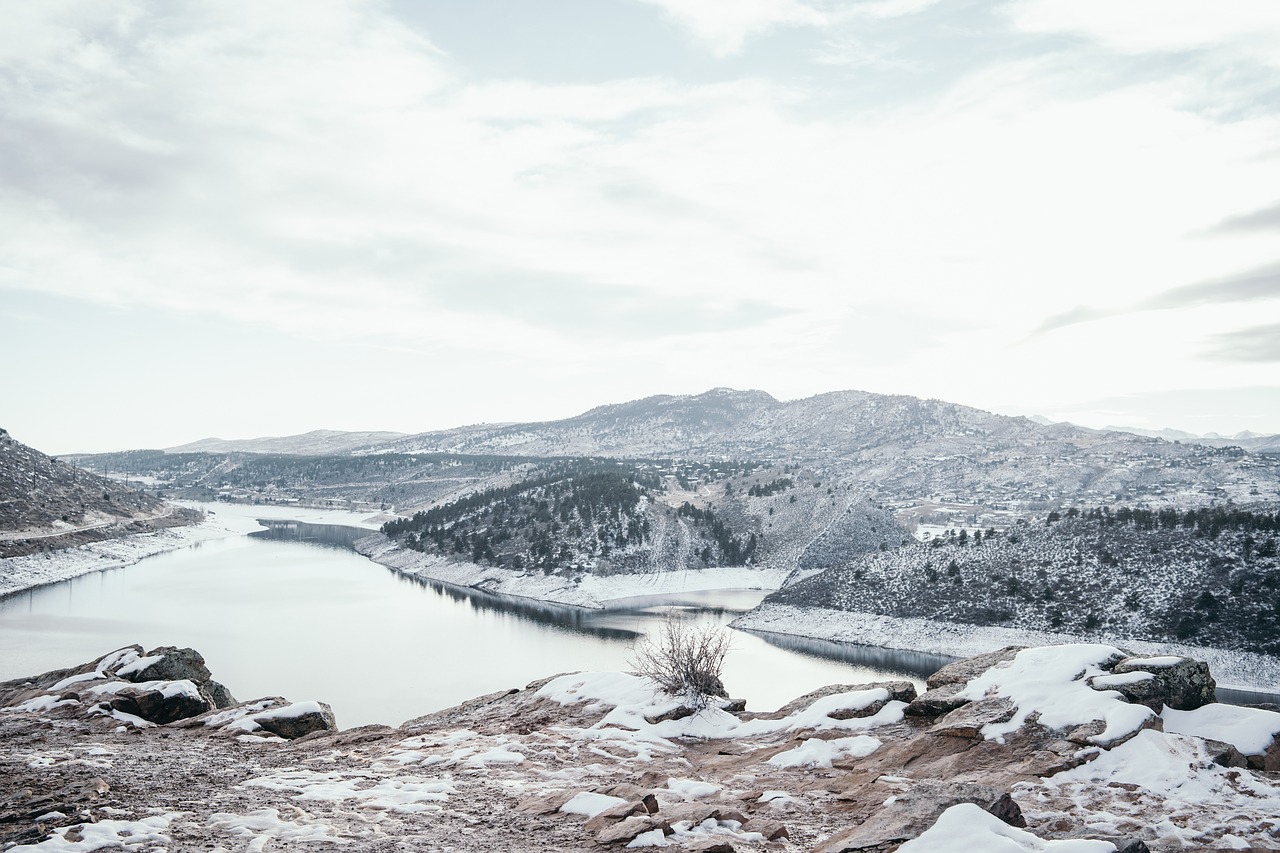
(46,503)
(1210,577)
(1246,440)
(320,442)
(896,448)
(927,458)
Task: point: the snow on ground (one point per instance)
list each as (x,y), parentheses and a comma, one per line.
(592,591)
(968,827)
(147,834)
(1231,669)
(634,701)
(1163,783)
(1052,681)
(221,521)
(1250,730)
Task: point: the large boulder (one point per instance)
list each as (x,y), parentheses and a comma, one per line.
(909,814)
(1176,682)
(169,663)
(160,702)
(963,671)
(938,701)
(298,719)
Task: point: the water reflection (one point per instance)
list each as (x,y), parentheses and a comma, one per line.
(576,620)
(911,664)
(322,535)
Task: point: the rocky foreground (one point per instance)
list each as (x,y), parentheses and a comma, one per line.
(1060,748)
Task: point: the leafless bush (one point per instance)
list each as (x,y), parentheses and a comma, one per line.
(684,661)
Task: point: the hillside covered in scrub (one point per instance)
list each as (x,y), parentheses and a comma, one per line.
(599,515)
(1208,577)
(47,504)
(604,517)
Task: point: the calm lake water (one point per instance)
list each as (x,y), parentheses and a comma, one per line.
(293,612)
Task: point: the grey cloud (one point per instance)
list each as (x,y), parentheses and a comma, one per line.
(1079,314)
(1263,283)
(1257,344)
(1266,219)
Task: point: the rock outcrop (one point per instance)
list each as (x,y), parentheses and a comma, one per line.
(1030,745)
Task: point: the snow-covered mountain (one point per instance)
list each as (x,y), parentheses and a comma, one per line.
(318,442)
(1246,440)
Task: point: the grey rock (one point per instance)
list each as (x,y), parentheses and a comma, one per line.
(291,728)
(613,814)
(220,695)
(968,720)
(937,701)
(679,712)
(1224,754)
(1090,733)
(903,691)
(1185,685)
(694,813)
(1135,846)
(625,830)
(772,830)
(153,706)
(963,671)
(912,812)
(174,665)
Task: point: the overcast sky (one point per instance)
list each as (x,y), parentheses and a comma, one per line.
(244,218)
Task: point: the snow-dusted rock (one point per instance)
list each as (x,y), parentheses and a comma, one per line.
(1175,681)
(1254,732)
(298,719)
(965,826)
(168,663)
(964,671)
(571,762)
(906,816)
(970,719)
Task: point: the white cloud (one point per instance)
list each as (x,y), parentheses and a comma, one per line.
(1242,27)
(726,26)
(320,170)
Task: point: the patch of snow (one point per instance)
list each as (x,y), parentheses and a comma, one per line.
(401,794)
(590,804)
(297,709)
(138,665)
(968,827)
(1111,680)
(146,834)
(692,789)
(1250,730)
(115,659)
(652,838)
(497,755)
(1179,794)
(266,825)
(629,699)
(1051,680)
(39,703)
(74,679)
(817,752)
(1159,662)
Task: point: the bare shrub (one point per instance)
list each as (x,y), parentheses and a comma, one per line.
(684,661)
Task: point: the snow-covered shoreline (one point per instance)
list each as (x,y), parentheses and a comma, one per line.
(19,574)
(1234,670)
(590,591)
